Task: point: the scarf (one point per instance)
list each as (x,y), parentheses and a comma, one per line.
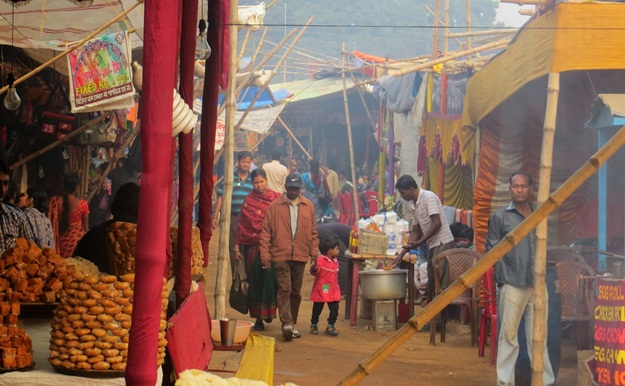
(252,215)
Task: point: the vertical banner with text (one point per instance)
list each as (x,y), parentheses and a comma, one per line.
(609,332)
(100,74)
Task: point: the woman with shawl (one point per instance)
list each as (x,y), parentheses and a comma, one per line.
(263,286)
(69,216)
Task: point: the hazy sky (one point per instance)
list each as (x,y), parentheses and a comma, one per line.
(509,14)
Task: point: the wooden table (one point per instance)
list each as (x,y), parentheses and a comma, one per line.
(354,266)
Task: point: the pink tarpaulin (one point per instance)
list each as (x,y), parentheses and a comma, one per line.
(161,35)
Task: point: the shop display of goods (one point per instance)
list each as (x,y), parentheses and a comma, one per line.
(83,266)
(122,243)
(29,274)
(91,324)
(16,348)
(197,255)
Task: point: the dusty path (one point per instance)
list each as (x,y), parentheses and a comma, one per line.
(321,360)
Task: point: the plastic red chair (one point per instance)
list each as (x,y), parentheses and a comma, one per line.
(489,314)
(371,198)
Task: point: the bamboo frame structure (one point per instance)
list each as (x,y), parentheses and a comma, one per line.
(482,33)
(63,54)
(446,26)
(349,137)
(59,141)
(364,103)
(468,14)
(464,283)
(435,31)
(223,255)
(540,259)
(294,137)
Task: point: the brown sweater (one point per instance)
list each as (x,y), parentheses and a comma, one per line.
(276,243)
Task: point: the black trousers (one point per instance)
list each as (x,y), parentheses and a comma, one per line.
(318,307)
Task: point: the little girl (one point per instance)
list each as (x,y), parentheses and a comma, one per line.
(326,286)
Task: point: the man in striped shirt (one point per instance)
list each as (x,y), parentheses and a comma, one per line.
(242,185)
(13,222)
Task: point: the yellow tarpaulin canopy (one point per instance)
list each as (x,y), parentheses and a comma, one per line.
(572,36)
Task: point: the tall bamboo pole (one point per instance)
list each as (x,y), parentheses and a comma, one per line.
(508,31)
(255,54)
(446,31)
(446,28)
(72,48)
(223,255)
(294,138)
(364,103)
(435,40)
(465,281)
(540,258)
(468,6)
(349,136)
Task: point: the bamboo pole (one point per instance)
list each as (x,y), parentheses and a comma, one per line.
(72,48)
(243,45)
(436,37)
(446,29)
(117,155)
(59,141)
(455,55)
(526,2)
(540,258)
(274,71)
(294,138)
(364,103)
(468,12)
(465,281)
(447,33)
(482,33)
(260,44)
(349,137)
(526,12)
(223,255)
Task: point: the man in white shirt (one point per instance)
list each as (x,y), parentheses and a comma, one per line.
(276,172)
(332,178)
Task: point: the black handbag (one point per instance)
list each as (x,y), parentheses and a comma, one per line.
(238,291)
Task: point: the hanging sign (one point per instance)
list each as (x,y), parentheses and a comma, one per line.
(609,334)
(101,75)
(220,135)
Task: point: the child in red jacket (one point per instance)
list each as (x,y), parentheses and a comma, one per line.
(326,286)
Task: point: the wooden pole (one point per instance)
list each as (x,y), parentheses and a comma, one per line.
(465,281)
(72,48)
(260,44)
(117,155)
(468,11)
(540,258)
(223,255)
(274,72)
(446,28)
(364,103)
(60,141)
(294,137)
(526,2)
(436,37)
(447,33)
(483,33)
(455,55)
(349,137)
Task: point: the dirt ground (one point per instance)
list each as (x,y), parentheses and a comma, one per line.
(322,360)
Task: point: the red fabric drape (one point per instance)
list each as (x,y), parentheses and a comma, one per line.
(185,153)
(218,19)
(485,184)
(160,39)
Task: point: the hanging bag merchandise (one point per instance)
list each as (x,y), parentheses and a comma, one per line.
(238,291)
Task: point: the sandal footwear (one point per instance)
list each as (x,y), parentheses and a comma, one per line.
(331,331)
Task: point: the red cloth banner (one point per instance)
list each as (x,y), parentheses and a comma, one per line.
(609,333)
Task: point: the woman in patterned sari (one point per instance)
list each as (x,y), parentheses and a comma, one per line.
(263,286)
(69,216)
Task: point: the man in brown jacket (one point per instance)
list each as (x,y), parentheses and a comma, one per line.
(289,240)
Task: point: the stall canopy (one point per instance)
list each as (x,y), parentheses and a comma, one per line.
(507,98)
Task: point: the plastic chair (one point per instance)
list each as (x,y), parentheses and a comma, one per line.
(489,314)
(452,263)
(347,206)
(576,292)
(372,202)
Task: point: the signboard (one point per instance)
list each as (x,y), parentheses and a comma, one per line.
(609,333)
(101,75)
(220,135)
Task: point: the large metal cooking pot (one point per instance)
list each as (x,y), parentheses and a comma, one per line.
(381,284)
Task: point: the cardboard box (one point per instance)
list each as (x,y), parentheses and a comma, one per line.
(372,242)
